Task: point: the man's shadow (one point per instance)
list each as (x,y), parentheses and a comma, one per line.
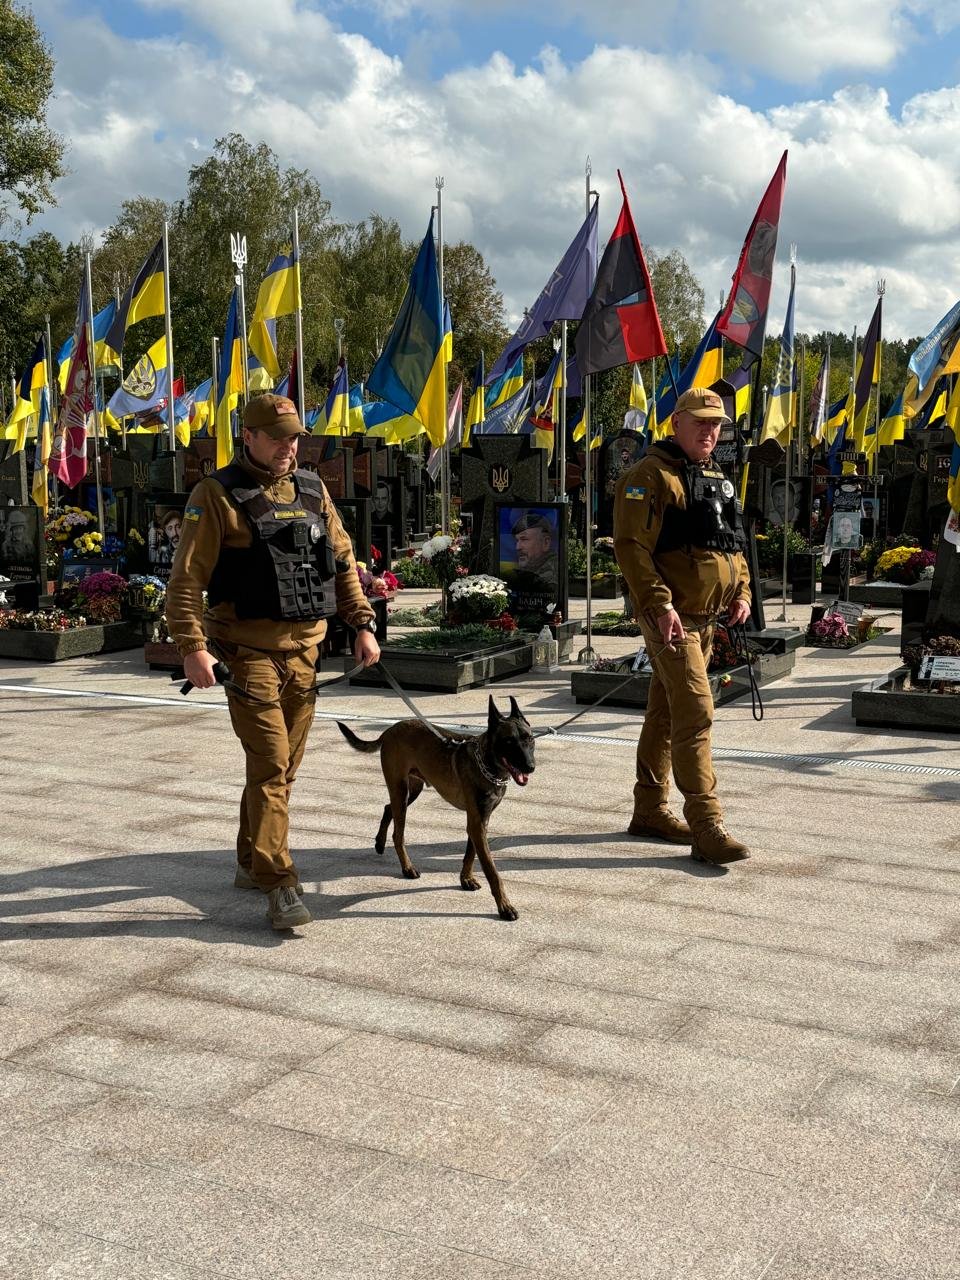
(191,895)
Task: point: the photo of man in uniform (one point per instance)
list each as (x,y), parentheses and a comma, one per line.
(529,550)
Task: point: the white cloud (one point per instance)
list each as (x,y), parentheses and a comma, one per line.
(870,192)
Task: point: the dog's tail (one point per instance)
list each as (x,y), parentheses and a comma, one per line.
(359,744)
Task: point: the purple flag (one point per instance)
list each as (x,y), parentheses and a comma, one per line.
(564,296)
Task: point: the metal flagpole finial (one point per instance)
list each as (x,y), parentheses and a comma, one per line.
(238,250)
(793,255)
(556,346)
(881,287)
(588,167)
(438,183)
(721,299)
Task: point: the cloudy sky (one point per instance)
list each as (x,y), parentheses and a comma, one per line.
(693,99)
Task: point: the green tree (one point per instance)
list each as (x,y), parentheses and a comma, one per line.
(373,263)
(680,301)
(31,155)
(476,306)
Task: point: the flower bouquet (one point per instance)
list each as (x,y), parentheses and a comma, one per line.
(145,596)
(476,598)
(442,553)
(99,597)
(905,565)
(381,585)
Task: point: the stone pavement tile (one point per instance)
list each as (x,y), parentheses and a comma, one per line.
(557,1001)
(945,1034)
(178,1075)
(125,958)
(879,1108)
(871,1241)
(22,1027)
(465,1078)
(252,1155)
(464,1265)
(29,1096)
(944,1198)
(356,1007)
(708,920)
(896,984)
(199,1223)
(820,1050)
(488,1140)
(941,881)
(677,1068)
(251,1033)
(25,987)
(31,1250)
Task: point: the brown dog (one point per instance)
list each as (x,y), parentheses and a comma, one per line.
(471,775)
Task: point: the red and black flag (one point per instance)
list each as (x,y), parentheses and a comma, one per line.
(620,322)
(744,318)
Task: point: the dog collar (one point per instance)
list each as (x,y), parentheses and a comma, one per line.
(499,783)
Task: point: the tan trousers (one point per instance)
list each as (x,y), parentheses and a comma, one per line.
(273,741)
(676,727)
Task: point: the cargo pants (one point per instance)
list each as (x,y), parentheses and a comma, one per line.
(273,739)
(677,723)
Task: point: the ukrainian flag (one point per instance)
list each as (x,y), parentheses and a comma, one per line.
(953,484)
(229,382)
(778,418)
(388,423)
(836,419)
(143,298)
(40,489)
(638,392)
(278,295)
(579,430)
(893,426)
(703,368)
(659,427)
(29,390)
(105,356)
(506,386)
(411,371)
(476,410)
(335,419)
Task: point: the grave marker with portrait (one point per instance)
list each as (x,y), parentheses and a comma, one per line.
(495,470)
(530,558)
(616,455)
(22,547)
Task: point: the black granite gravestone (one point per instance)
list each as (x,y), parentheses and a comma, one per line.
(943,613)
(498,468)
(617,453)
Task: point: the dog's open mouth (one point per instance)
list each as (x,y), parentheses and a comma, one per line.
(521,779)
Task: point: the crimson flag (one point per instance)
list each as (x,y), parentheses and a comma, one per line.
(620,322)
(744,318)
(68,454)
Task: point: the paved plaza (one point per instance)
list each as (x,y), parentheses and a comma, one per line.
(660,1070)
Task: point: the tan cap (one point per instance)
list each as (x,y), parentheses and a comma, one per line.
(275,415)
(701,402)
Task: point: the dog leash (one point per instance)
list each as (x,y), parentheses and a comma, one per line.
(221,673)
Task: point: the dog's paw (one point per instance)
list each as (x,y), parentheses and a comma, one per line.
(506,912)
(379,845)
(468,882)
(411,873)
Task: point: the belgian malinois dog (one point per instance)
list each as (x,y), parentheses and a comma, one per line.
(470,775)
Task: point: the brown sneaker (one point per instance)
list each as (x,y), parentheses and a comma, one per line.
(285,910)
(714,844)
(660,825)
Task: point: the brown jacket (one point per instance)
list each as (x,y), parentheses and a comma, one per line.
(694,581)
(212,521)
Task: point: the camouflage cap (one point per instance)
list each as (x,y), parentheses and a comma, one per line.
(275,415)
(701,402)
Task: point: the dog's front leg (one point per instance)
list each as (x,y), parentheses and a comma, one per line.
(467,879)
(477,834)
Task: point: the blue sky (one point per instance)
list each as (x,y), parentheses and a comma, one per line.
(694,100)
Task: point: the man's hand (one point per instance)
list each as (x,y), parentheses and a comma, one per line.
(738,612)
(671,628)
(366,649)
(198,668)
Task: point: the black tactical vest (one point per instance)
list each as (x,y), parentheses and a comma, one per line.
(288,571)
(711,518)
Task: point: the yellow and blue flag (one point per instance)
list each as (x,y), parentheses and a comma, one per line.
(410,372)
(278,295)
(836,420)
(506,386)
(476,410)
(703,368)
(868,376)
(388,423)
(229,382)
(29,390)
(939,352)
(146,386)
(143,298)
(335,418)
(104,355)
(781,403)
(638,392)
(40,489)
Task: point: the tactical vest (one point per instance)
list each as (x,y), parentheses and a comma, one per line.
(288,571)
(712,516)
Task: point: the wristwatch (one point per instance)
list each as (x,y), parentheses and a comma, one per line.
(370,625)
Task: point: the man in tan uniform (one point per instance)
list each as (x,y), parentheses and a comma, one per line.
(678,539)
(264,540)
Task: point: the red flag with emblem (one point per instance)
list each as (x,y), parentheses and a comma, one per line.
(68,454)
(744,318)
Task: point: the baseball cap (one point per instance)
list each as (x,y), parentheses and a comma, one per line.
(275,415)
(701,402)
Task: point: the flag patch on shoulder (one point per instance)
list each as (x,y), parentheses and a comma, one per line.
(636,491)
(193,513)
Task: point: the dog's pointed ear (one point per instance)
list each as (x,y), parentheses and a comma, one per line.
(493,715)
(515,711)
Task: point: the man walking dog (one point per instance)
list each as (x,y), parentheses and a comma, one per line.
(678,540)
(264,540)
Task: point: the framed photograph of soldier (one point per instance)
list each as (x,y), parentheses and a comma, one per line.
(113,506)
(617,454)
(388,505)
(74,571)
(164,526)
(355,517)
(22,549)
(381,538)
(531,556)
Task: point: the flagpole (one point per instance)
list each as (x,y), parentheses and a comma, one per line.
(562,417)
(116,298)
(792,402)
(50,404)
(586,654)
(214,380)
(96,411)
(168,324)
(298,314)
(445,473)
(238,255)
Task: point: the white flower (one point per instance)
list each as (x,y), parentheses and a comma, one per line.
(430,548)
(477,585)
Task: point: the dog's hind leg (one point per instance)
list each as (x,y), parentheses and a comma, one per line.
(381,841)
(476,830)
(403,794)
(467,879)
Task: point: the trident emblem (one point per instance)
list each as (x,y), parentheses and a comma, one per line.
(500,478)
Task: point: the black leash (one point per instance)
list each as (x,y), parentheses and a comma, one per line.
(221,673)
(542,733)
(738,638)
